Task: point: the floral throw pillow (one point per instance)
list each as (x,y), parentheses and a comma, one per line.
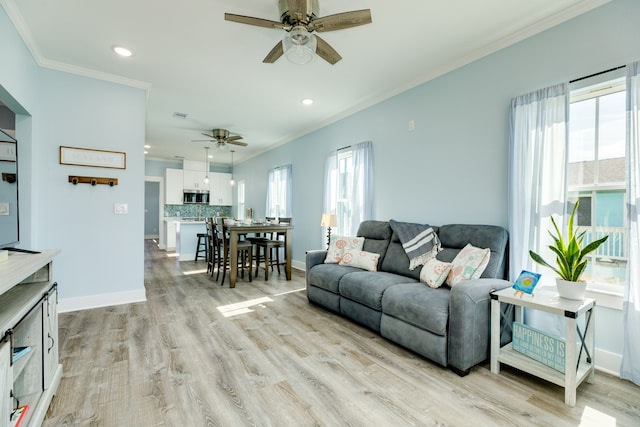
(468,264)
(435,272)
(361,259)
(338,245)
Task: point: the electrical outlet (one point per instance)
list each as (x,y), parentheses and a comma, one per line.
(412,125)
(120,208)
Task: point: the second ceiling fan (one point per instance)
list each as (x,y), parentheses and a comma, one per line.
(299,18)
(221,138)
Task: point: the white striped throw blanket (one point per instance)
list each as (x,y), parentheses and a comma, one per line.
(419,241)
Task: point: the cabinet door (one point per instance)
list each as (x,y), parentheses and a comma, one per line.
(171,235)
(6,379)
(50,335)
(194,180)
(173,186)
(220,192)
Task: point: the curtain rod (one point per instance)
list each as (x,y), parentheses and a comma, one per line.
(344,148)
(597,74)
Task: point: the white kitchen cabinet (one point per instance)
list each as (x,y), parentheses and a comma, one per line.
(173,186)
(220,189)
(170,234)
(194,180)
(194,165)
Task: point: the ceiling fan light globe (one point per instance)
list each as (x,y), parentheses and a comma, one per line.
(299,46)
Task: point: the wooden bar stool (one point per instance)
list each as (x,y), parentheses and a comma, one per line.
(202,246)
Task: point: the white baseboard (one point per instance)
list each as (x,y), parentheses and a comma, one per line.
(298,265)
(103,300)
(608,362)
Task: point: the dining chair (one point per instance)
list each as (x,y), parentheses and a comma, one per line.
(271,246)
(214,245)
(245,253)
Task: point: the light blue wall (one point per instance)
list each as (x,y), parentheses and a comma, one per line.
(454,166)
(101,253)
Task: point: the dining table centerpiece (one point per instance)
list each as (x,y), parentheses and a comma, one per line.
(571,257)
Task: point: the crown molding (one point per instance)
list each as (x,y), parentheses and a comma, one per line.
(26,35)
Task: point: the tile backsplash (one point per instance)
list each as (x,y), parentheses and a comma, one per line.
(195,211)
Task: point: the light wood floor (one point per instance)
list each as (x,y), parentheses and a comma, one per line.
(198,354)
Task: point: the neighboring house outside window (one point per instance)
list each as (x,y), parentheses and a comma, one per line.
(596,177)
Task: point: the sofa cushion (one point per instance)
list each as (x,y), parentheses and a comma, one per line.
(377,235)
(468,264)
(327,276)
(454,237)
(367,287)
(435,272)
(338,245)
(419,305)
(361,259)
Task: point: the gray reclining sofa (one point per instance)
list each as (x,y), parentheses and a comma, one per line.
(449,326)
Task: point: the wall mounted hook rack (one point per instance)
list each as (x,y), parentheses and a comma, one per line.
(92,180)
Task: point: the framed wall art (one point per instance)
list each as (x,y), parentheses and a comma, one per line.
(92,158)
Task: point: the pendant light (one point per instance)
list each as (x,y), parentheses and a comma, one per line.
(232,182)
(206,163)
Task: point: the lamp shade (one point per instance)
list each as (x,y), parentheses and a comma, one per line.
(329,220)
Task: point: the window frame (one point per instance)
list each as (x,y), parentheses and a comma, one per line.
(607,295)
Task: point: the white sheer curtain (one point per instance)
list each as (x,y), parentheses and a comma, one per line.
(630,367)
(279,183)
(537,181)
(357,188)
(362,190)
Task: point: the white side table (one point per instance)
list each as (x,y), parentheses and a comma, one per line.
(580,344)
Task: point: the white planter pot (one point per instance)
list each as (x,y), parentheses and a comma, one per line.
(571,290)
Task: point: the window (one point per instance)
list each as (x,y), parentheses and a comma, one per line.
(596,177)
(343,201)
(279,192)
(241,205)
(349,187)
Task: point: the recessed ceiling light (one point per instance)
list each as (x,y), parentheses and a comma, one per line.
(122,51)
(147,146)
(146,152)
(307,101)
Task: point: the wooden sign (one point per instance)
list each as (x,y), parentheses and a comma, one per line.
(538,345)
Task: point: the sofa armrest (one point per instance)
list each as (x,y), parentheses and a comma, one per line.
(314,258)
(469,321)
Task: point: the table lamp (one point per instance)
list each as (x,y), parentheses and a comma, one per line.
(329,220)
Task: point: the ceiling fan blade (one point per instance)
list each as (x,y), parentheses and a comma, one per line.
(298,9)
(326,52)
(340,21)
(234,138)
(249,20)
(275,53)
(201,140)
(240,143)
(209,136)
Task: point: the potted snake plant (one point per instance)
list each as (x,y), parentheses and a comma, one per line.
(571,258)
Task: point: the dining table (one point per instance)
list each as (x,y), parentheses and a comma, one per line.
(239,229)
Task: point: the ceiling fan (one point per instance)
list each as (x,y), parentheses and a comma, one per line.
(221,138)
(299,18)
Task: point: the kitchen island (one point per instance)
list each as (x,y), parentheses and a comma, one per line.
(187,238)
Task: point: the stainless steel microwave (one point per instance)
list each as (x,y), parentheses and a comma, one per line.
(196,197)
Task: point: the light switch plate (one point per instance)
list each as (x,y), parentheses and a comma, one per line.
(4,208)
(120,208)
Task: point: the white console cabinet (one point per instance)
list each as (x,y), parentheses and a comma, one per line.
(28,319)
